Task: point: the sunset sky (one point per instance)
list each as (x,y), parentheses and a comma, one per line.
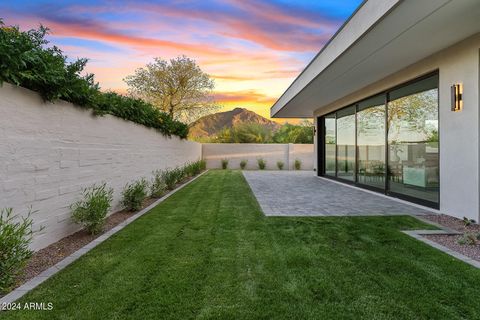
(253,49)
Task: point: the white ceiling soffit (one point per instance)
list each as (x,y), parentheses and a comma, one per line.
(381,38)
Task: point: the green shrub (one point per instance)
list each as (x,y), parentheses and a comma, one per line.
(197,167)
(171,178)
(243,164)
(298,164)
(280,165)
(261,163)
(15,237)
(92,210)
(180,173)
(468,238)
(133,194)
(467,221)
(158,185)
(27,61)
(203,165)
(191,169)
(224,164)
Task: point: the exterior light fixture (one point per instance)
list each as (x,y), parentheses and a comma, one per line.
(457,97)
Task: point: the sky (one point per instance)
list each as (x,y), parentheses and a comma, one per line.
(252,49)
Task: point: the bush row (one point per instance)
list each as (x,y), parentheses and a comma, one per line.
(96,199)
(16,232)
(26,61)
(262,164)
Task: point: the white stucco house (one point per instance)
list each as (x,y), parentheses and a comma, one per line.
(395,98)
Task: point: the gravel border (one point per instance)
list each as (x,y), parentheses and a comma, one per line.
(451,240)
(419,235)
(34,282)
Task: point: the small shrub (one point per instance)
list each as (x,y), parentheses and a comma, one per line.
(467,221)
(280,165)
(243,164)
(15,237)
(171,178)
(158,185)
(298,164)
(193,168)
(468,238)
(92,210)
(224,164)
(261,164)
(198,167)
(133,194)
(202,164)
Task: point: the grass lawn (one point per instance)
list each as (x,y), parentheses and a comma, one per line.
(209,253)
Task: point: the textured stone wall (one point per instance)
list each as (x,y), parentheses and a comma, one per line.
(49,152)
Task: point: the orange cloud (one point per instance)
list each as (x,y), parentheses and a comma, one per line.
(243,96)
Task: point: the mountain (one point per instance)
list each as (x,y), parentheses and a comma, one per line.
(210,125)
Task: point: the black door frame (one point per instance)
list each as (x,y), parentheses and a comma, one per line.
(386,191)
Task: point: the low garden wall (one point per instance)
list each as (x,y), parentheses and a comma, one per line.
(49,152)
(213,153)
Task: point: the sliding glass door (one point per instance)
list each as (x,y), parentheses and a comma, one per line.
(413,160)
(346,143)
(388,142)
(330,146)
(371,142)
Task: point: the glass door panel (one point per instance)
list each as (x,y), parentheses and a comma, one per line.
(346,143)
(371,142)
(413,165)
(330,145)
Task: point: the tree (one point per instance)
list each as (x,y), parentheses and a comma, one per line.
(178,87)
(245,133)
(290,133)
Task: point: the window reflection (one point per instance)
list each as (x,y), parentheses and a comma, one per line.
(413,141)
(330,145)
(371,142)
(346,143)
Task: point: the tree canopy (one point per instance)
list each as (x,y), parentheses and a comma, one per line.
(257,133)
(178,87)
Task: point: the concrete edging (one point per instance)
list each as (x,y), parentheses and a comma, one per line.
(418,234)
(45,275)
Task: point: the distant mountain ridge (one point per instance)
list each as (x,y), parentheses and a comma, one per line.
(211,125)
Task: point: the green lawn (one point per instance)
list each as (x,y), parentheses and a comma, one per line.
(208,253)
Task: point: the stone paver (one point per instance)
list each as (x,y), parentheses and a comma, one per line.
(301,193)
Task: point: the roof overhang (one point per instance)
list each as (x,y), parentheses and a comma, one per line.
(380,38)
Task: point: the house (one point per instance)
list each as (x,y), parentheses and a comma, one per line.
(395,98)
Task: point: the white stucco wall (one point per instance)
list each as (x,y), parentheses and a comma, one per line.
(49,152)
(213,153)
(459,131)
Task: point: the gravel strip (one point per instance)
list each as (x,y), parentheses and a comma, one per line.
(452,222)
(451,241)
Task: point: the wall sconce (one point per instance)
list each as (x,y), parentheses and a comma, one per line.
(457,97)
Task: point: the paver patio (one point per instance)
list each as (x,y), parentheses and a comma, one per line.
(301,193)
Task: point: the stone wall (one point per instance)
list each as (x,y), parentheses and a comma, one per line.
(49,152)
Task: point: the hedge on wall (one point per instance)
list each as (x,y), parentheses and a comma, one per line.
(26,61)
